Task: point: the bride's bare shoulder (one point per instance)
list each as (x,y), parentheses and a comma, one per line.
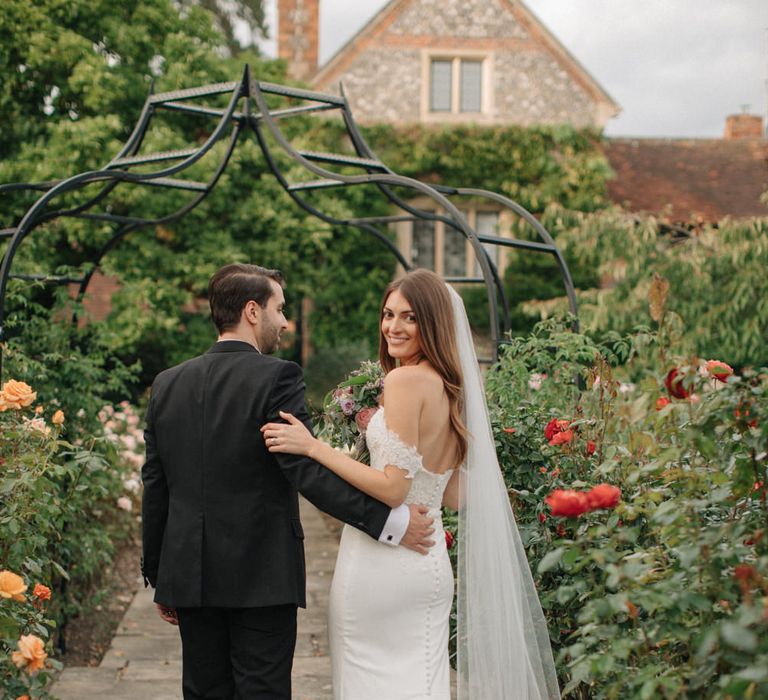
(413,378)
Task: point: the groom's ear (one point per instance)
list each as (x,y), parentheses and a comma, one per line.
(251,312)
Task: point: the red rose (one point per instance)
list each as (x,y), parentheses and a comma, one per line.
(562,438)
(554,427)
(363,417)
(542,517)
(603,496)
(449,539)
(511,431)
(567,503)
(719,370)
(675,386)
(661,402)
(591,447)
(744,572)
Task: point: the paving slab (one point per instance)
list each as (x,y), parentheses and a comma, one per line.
(144,659)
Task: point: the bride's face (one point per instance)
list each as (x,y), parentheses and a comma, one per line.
(401,329)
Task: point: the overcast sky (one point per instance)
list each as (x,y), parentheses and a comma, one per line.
(676,67)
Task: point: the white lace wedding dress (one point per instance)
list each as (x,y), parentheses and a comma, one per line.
(389,606)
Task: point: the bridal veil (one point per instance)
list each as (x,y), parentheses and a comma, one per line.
(503,645)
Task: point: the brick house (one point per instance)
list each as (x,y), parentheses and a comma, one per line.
(448,62)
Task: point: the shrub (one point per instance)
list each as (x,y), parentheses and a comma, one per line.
(664,595)
(64,503)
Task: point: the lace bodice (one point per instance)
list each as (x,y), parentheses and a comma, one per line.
(386,447)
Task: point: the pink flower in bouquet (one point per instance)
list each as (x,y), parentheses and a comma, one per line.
(347,406)
(363,417)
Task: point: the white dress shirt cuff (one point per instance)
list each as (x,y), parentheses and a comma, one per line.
(396,525)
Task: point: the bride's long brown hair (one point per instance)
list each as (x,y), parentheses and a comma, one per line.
(431,303)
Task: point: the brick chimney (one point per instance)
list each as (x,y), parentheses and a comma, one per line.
(297,36)
(743,126)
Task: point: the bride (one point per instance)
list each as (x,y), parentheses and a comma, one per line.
(430,443)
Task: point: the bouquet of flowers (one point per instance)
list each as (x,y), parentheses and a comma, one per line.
(348,408)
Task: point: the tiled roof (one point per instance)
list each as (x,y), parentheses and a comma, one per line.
(687,180)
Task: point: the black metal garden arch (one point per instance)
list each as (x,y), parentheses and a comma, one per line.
(248,108)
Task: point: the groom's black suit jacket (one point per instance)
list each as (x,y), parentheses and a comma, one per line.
(220,514)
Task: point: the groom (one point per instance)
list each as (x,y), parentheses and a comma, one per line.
(223,543)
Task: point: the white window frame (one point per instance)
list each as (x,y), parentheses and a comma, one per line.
(485,58)
(404,232)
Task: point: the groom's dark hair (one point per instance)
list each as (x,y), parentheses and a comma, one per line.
(233,286)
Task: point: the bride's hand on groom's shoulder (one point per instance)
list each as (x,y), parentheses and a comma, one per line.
(291,436)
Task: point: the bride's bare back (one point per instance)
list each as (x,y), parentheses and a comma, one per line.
(418,411)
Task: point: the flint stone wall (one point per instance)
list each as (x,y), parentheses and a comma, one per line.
(384,81)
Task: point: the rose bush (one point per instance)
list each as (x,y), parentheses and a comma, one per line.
(59,522)
(662,591)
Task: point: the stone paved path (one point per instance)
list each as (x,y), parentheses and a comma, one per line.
(144,660)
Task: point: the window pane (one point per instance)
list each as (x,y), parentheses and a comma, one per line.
(454,253)
(440,86)
(423,244)
(487,224)
(471,86)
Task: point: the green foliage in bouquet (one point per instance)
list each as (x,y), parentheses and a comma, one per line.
(348,408)
(641,499)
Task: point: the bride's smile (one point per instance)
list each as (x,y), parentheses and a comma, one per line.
(401,329)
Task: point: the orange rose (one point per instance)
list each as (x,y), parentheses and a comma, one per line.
(41,592)
(31,654)
(18,394)
(58,418)
(719,370)
(23,697)
(12,586)
(3,405)
(661,402)
(632,609)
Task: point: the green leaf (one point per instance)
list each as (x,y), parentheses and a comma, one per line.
(738,637)
(551,560)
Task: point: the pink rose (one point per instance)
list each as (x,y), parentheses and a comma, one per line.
(363,417)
